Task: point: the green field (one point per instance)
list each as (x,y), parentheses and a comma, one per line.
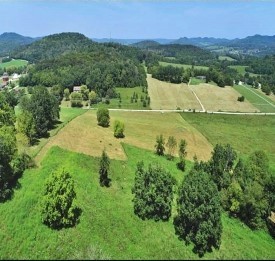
(13,63)
(125,94)
(184,66)
(224,57)
(195,81)
(253,97)
(108,227)
(241,69)
(246,133)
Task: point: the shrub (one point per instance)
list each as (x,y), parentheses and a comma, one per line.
(58,204)
(119,129)
(103,117)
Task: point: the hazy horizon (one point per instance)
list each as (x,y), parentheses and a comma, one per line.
(120,19)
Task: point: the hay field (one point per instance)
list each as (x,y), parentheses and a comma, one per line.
(167,96)
(141,128)
(215,98)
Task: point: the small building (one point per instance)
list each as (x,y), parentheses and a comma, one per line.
(15,76)
(240,83)
(5,78)
(76,89)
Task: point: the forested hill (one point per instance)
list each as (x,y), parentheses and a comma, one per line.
(11,41)
(70,59)
(52,46)
(146,44)
(186,54)
(201,41)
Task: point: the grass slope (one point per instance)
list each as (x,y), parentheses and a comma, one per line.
(245,133)
(108,227)
(253,97)
(141,128)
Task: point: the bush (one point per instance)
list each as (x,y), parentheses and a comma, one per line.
(119,129)
(103,117)
(104,167)
(58,204)
(76,99)
(241,99)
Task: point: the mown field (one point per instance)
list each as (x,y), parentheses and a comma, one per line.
(13,63)
(246,133)
(141,128)
(261,101)
(241,69)
(108,228)
(172,96)
(215,98)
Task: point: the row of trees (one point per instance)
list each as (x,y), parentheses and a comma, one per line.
(171,147)
(245,189)
(12,163)
(198,218)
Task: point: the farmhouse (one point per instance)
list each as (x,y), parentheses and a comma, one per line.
(76,89)
(5,78)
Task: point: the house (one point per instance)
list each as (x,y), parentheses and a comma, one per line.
(240,83)
(76,89)
(5,78)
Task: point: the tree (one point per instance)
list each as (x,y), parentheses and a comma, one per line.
(85,92)
(44,108)
(8,151)
(171,144)
(160,141)
(67,94)
(182,154)
(26,126)
(76,99)
(199,212)
(103,117)
(92,97)
(58,207)
(104,167)
(119,129)
(221,165)
(153,193)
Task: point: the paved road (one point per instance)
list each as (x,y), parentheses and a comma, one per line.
(209,112)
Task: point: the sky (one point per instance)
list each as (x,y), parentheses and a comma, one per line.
(143,19)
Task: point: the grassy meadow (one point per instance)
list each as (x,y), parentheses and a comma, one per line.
(108,228)
(184,66)
(225,57)
(13,63)
(253,97)
(245,133)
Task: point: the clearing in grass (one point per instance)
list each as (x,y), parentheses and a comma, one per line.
(13,63)
(184,66)
(108,227)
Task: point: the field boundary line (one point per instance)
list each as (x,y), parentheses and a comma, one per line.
(260,96)
(203,109)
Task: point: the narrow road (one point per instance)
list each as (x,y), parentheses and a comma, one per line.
(209,112)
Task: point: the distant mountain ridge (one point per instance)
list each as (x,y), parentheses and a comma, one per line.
(11,41)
